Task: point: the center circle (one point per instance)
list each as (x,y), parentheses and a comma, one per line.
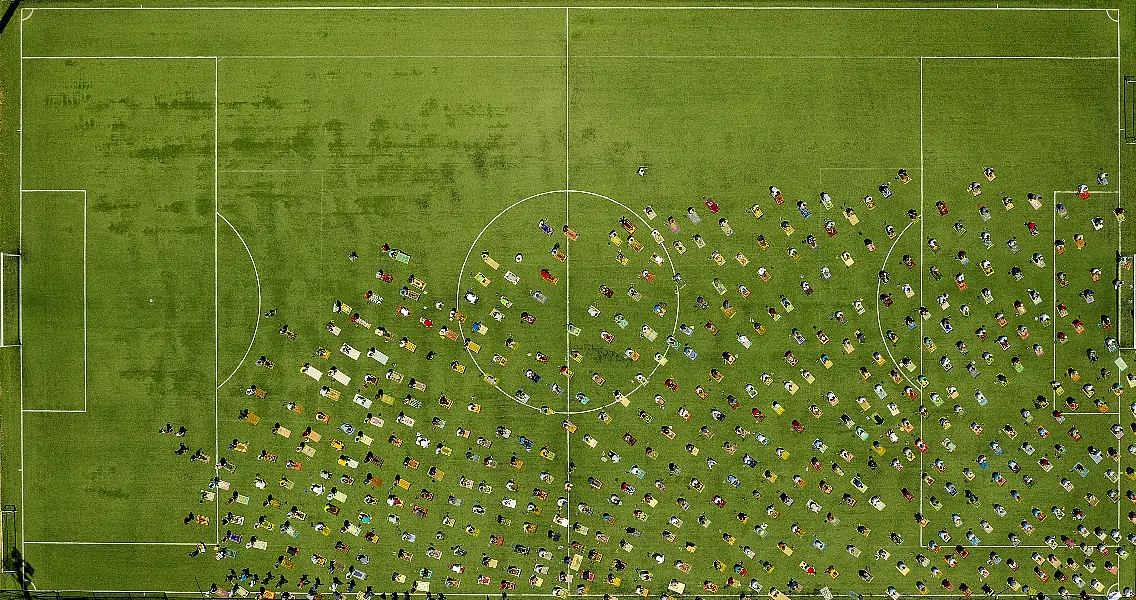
(566,297)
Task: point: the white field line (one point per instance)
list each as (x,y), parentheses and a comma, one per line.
(465,263)
(24,16)
(836,57)
(216,294)
(301,56)
(23,58)
(861,168)
(194,593)
(879,319)
(111,543)
(756,56)
(1026,546)
(84,300)
(458,290)
(556,56)
(385,56)
(1053,306)
(255,271)
(84,192)
(1119,235)
(52,410)
(547,595)
(1020,57)
(1054,346)
(567,279)
(922,176)
(994,8)
(501,8)
(1085,414)
(272,170)
(259,303)
(566,112)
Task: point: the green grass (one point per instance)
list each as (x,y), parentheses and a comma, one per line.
(298,136)
(52,299)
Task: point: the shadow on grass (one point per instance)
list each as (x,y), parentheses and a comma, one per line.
(22,569)
(8,13)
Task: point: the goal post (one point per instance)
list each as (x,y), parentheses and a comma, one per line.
(31,594)
(1129,107)
(1127,302)
(8,537)
(10,325)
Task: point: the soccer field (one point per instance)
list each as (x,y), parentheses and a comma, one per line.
(567,301)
